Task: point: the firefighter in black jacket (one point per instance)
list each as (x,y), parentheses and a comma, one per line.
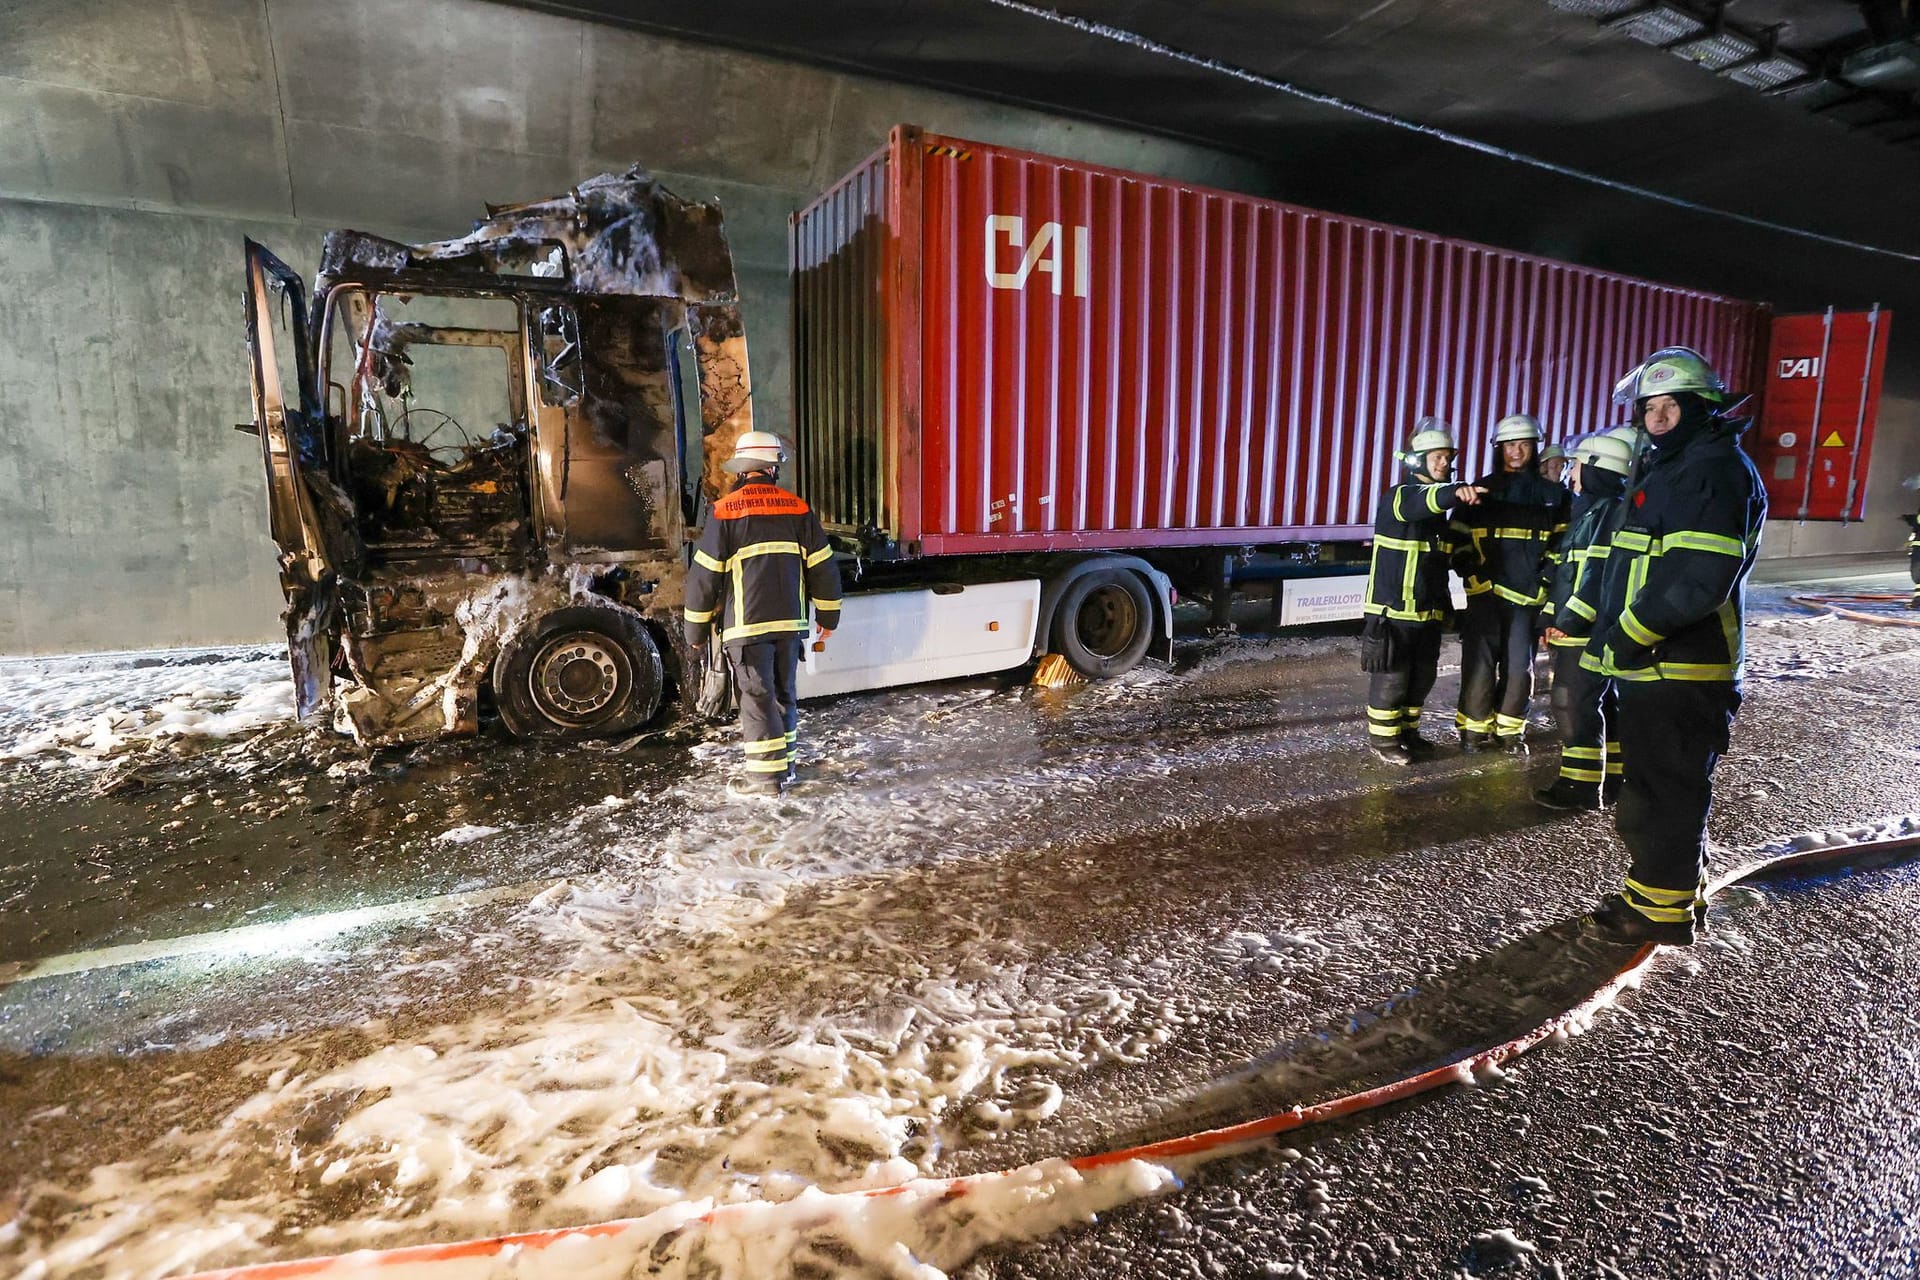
(1583,702)
(1407,594)
(1670,634)
(1502,548)
(761,560)
(1913,546)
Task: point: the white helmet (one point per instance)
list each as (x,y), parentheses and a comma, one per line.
(1606,451)
(1552,453)
(1517,426)
(755,451)
(1430,433)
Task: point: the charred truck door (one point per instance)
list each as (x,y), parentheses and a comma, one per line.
(315,543)
(501,443)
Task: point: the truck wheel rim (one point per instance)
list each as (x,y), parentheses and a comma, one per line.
(577,676)
(1107,621)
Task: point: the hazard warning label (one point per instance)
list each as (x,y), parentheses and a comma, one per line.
(1833,441)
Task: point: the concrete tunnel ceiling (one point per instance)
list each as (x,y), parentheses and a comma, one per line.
(1548,79)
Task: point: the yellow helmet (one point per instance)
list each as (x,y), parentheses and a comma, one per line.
(1670,370)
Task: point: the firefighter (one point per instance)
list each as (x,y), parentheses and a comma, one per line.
(1669,632)
(1555,463)
(760,562)
(1913,545)
(1913,558)
(1408,597)
(1583,702)
(1501,549)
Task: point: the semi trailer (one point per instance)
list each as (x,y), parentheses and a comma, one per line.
(1034,402)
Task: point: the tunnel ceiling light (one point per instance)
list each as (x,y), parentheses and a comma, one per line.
(1772,73)
(1596,8)
(1750,55)
(1659,26)
(1717,50)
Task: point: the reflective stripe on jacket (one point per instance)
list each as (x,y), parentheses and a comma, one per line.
(1407,580)
(761,561)
(1574,578)
(1671,600)
(1502,545)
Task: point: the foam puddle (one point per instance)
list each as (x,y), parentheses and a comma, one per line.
(86,710)
(744,1023)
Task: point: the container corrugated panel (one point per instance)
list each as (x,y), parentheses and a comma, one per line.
(999,351)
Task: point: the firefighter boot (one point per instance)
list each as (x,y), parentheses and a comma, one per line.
(1476,740)
(1610,789)
(1392,751)
(1565,793)
(1418,748)
(1615,920)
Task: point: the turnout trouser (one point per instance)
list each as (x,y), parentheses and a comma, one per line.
(1496,667)
(1394,696)
(1587,711)
(1673,732)
(764,670)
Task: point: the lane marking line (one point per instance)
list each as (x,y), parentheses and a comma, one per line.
(270,936)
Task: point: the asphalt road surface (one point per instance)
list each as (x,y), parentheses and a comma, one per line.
(267,997)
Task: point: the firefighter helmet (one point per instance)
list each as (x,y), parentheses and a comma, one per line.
(1517,426)
(755,451)
(1430,433)
(1670,370)
(1552,453)
(1629,435)
(1606,451)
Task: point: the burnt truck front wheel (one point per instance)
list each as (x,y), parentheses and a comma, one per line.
(1104,623)
(579,672)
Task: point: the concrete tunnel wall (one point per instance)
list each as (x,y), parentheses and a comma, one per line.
(143,142)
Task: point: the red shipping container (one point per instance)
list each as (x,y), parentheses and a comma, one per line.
(996,351)
(1814,439)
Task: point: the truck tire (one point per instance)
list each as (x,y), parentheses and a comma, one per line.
(585,671)
(1103,623)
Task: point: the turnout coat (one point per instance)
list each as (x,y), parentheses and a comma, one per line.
(762,560)
(1671,599)
(1407,580)
(1573,579)
(1501,546)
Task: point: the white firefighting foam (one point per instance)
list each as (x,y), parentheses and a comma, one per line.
(660,1079)
(85,710)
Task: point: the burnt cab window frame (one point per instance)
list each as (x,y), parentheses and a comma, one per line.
(338,409)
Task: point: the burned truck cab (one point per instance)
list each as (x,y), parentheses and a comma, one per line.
(484,456)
